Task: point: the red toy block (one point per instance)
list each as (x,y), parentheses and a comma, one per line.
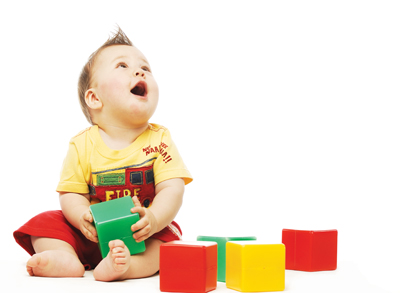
(188,266)
(310,251)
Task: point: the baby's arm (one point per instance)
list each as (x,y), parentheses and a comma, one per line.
(75,208)
(165,206)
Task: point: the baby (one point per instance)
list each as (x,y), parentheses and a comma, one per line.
(122,154)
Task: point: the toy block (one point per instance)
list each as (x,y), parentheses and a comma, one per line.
(252,266)
(188,266)
(310,251)
(113,220)
(221,241)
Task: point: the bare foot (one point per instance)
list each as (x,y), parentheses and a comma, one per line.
(115,264)
(54,263)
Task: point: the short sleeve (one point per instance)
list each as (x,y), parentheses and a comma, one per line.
(72,178)
(169,163)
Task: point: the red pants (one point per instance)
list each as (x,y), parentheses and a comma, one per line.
(52,224)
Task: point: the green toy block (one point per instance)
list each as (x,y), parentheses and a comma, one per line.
(113,220)
(221,241)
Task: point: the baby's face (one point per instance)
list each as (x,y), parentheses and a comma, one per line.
(123,81)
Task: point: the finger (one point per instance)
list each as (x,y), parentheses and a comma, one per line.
(88,217)
(92,230)
(141,211)
(142,223)
(136,201)
(90,236)
(142,235)
(94,238)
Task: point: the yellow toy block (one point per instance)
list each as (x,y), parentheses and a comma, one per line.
(252,266)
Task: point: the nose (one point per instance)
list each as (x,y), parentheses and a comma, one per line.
(140,73)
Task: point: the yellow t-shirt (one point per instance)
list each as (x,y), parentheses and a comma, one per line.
(92,167)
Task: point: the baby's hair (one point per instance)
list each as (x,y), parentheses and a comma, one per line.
(85,78)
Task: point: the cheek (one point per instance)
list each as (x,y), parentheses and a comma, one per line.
(154,89)
(155,86)
(154,96)
(110,87)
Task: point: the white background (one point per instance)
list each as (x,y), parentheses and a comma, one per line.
(285,112)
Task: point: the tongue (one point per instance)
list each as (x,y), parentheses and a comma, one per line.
(138,91)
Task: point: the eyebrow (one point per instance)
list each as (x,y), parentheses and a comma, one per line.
(119,57)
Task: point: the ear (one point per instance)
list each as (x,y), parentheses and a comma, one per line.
(92,100)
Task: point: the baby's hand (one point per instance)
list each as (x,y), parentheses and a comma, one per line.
(147,225)
(87,228)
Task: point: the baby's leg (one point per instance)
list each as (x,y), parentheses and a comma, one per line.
(53,258)
(120,265)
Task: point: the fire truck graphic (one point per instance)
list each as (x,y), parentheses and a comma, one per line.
(125,181)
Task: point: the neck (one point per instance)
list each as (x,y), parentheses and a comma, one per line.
(118,138)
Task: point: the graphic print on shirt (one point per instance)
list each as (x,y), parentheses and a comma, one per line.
(161,149)
(131,180)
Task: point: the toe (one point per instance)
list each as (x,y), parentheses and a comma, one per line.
(119,243)
(29,270)
(33,261)
(116,243)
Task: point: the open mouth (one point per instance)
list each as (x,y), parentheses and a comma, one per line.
(140,89)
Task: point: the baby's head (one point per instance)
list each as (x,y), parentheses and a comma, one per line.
(116,83)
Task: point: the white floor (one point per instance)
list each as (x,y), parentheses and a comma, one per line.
(347,278)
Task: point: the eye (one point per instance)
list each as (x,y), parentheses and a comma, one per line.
(122,64)
(146,68)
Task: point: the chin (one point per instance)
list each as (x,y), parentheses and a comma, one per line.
(142,113)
